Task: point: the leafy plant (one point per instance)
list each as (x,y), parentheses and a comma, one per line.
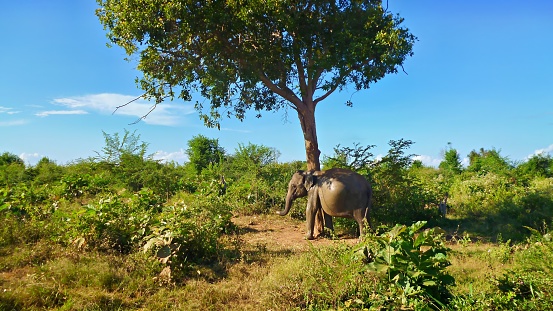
(413,261)
(203,152)
(110,223)
(186,233)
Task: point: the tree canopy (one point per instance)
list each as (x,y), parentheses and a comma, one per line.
(203,151)
(257,54)
(117,147)
(452,162)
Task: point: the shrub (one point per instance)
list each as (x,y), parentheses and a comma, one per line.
(480,195)
(187,231)
(413,263)
(110,223)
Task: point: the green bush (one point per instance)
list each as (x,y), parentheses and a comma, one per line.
(501,206)
(110,223)
(479,195)
(261,189)
(187,231)
(413,262)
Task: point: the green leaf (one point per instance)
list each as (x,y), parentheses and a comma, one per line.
(395,232)
(388,253)
(419,240)
(378,267)
(429,283)
(164,252)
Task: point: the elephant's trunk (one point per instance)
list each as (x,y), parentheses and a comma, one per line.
(289,201)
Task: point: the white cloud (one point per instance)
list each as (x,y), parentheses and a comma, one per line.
(60,112)
(8,110)
(428,160)
(13,123)
(30,158)
(177,156)
(543,151)
(164,114)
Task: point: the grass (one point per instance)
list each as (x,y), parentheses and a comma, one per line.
(258,275)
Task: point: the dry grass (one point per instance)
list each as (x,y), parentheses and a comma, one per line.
(474,265)
(271,268)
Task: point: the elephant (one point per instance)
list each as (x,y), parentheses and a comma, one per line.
(338,192)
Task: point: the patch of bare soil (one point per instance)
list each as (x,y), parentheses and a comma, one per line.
(279,233)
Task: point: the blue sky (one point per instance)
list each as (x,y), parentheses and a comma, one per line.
(481,77)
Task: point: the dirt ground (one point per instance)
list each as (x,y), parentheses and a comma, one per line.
(281,233)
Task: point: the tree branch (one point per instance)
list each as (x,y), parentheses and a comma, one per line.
(341,78)
(147,114)
(284,92)
(301,75)
(150,111)
(117,108)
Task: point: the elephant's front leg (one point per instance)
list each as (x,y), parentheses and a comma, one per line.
(313,205)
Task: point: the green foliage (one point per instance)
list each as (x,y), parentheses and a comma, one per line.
(357,158)
(252,157)
(188,232)
(501,206)
(245,55)
(12,170)
(399,196)
(488,161)
(540,165)
(110,223)
(451,165)
(478,195)
(46,171)
(256,181)
(8,158)
(412,260)
(203,151)
(116,147)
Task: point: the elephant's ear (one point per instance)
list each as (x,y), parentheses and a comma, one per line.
(309,180)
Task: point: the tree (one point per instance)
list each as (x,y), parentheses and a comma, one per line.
(257,54)
(538,165)
(357,158)
(485,161)
(256,155)
(12,169)
(8,158)
(203,151)
(452,162)
(116,147)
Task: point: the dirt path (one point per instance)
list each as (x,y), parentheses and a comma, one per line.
(281,233)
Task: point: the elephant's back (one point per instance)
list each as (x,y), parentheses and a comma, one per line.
(343,191)
(347,180)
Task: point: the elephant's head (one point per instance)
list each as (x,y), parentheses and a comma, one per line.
(300,183)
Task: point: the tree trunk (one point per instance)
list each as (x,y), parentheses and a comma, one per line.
(309,128)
